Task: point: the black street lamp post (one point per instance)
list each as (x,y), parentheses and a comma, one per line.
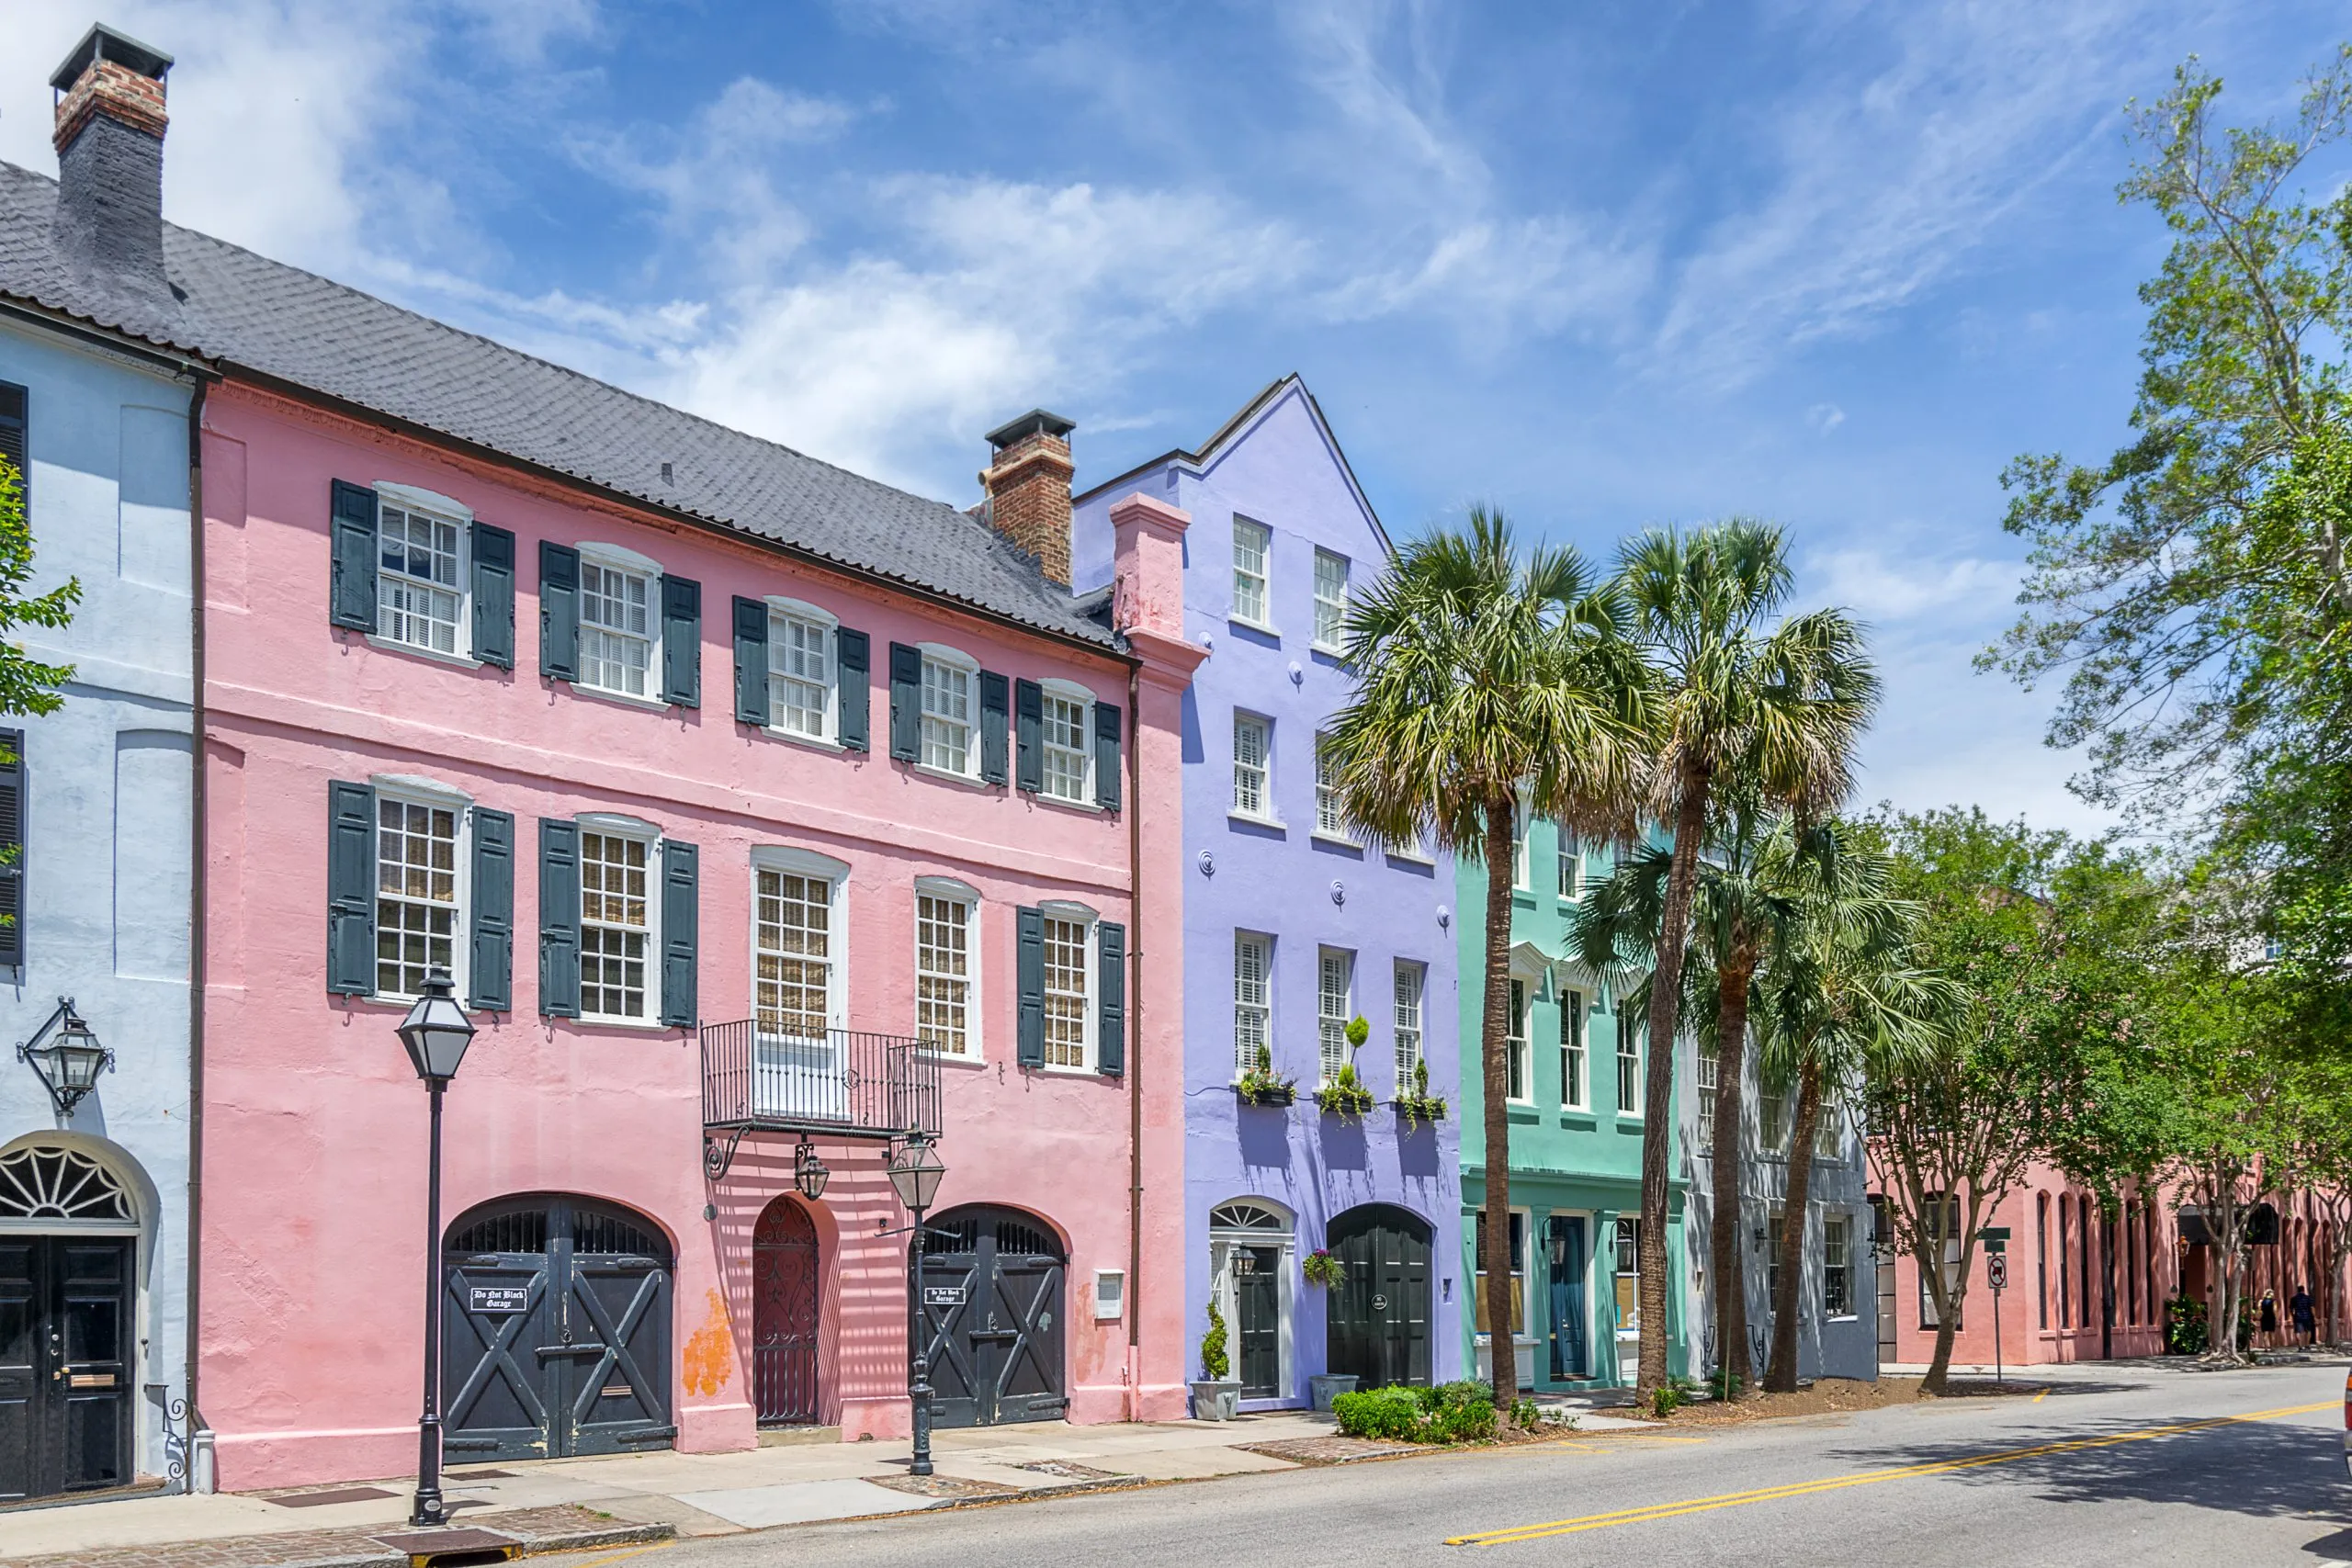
(915,1175)
(435,1033)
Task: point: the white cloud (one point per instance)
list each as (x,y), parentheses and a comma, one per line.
(1882,589)
(1824,417)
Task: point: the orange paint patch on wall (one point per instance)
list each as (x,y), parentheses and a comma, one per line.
(710,1353)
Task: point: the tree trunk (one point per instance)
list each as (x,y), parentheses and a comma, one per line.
(2106,1283)
(1494,1055)
(1939,1367)
(1657,1079)
(1727,1256)
(1781,1376)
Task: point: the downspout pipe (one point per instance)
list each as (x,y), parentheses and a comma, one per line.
(1135,1055)
(198,1458)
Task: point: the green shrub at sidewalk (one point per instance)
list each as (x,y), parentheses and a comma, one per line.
(1449,1413)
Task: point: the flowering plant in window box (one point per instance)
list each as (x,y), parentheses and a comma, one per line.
(1345,1095)
(1258,1085)
(1320,1267)
(1419,1105)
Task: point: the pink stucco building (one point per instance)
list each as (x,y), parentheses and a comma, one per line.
(745,800)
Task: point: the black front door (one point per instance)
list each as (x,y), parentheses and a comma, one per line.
(989,1317)
(555,1332)
(1378,1322)
(1257,1311)
(65,1305)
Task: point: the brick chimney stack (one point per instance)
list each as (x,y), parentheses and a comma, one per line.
(1027,483)
(110,140)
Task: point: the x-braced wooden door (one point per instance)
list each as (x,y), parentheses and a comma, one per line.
(990,1317)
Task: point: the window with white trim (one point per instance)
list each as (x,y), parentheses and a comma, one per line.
(1253,752)
(1252,544)
(1572,1071)
(1829,1130)
(1515,1047)
(1772,1117)
(943,968)
(616,925)
(1330,600)
(794,952)
(1068,759)
(1521,824)
(1329,821)
(616,626)
(1629,1064)
(947,705)
(1068,989)
(1710,1065)
(800,675)
(1775,1229)
(1253,998)
(1334,1006)
(1571,857)
(417,912)
(1627,1268)
(1411,982)
(1836,1266)
(420,570)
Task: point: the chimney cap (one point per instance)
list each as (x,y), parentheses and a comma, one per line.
(103,42)
(1029,424)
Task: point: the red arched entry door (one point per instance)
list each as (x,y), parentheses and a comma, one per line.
(784,1316)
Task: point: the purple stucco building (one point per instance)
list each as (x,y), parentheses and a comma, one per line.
(1291,929)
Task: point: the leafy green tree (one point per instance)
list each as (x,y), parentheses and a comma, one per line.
(26,686)
(1483,675)
(1775,708)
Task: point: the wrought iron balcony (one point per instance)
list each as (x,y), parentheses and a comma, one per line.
(843,1083)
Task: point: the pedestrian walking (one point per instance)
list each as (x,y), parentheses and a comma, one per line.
(2299,1311)
(2269,1322)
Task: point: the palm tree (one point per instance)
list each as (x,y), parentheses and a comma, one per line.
(1780,712)
(1484,677)
(1842,996)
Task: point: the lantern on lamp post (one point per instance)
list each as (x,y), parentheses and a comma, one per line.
(436,1033)
(915,1175)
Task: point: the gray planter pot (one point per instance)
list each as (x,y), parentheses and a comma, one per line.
(1324,1387)
(1216,1401)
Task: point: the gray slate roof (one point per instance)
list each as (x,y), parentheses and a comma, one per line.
(242,310)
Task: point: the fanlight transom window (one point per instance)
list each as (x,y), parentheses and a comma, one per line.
(38,1183)
(1246,1217)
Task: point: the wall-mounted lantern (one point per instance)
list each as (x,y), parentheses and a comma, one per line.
(69,1064)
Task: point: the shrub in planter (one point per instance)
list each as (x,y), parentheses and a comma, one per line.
(1420,1105)
(1345,1095)
(1215,1360)
(1258,1085)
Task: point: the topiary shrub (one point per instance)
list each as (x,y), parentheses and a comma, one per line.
(1215,1361)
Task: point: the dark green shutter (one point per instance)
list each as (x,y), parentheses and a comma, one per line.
(494,552)
(681,916)
(1029,731)
(12,848)
(558,918)
(751,661)
(854,668)
(993,702)
(1106,755)
(1111,949)
(558,610)
(1029,969)
(491,973)
(906,701)
(351,594)
(15,409)
(351,889)
(680,641)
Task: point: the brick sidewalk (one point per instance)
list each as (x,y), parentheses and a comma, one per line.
(561,1529)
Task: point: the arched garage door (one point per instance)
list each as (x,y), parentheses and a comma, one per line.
(990,1317)
(555,1330)
(1378,1321)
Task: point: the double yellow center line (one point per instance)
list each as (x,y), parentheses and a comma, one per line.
(1865,1478)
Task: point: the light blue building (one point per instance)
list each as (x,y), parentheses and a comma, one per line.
(1293,928)
(95,810)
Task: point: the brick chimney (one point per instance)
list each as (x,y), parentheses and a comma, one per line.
(109,143)
(1027,482)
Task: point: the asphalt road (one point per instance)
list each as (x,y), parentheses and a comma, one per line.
(2129,1465)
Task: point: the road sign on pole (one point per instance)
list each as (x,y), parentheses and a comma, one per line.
(1997,1274)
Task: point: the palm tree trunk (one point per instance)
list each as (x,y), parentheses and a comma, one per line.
(1789,1296)
(1657,1079)
(1493,1047)
(1726,1257)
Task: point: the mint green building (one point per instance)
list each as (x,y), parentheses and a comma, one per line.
(1576,1136)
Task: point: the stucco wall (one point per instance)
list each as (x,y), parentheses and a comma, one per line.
(108,798)
(317,1153)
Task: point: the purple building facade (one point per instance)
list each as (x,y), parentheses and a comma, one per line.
(1292,930)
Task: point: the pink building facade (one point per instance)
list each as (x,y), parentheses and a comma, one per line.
(662,812)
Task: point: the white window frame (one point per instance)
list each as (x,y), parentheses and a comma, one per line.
(1829,1132)
(1329,823)
(1522,1278)
(1518,1060)
(1245,1012)
(1334,609)
(434,796)
(1521,873)
(620,558)
(1226,1241)
(951,659)
(1411,1020)
(1629,1325)
(1772,1119)
(1707,1071)
(438,508)
(1838,1242)
(1569,849)
(792,861)
(781,613)
(629,829)
(1263,577)
(1265,809)
(965,894)
(1628,1105)
(1330,1030)
(1575,1021)
(1054,689)
(1089,976)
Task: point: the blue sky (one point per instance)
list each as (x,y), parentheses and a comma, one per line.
(1605,266)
